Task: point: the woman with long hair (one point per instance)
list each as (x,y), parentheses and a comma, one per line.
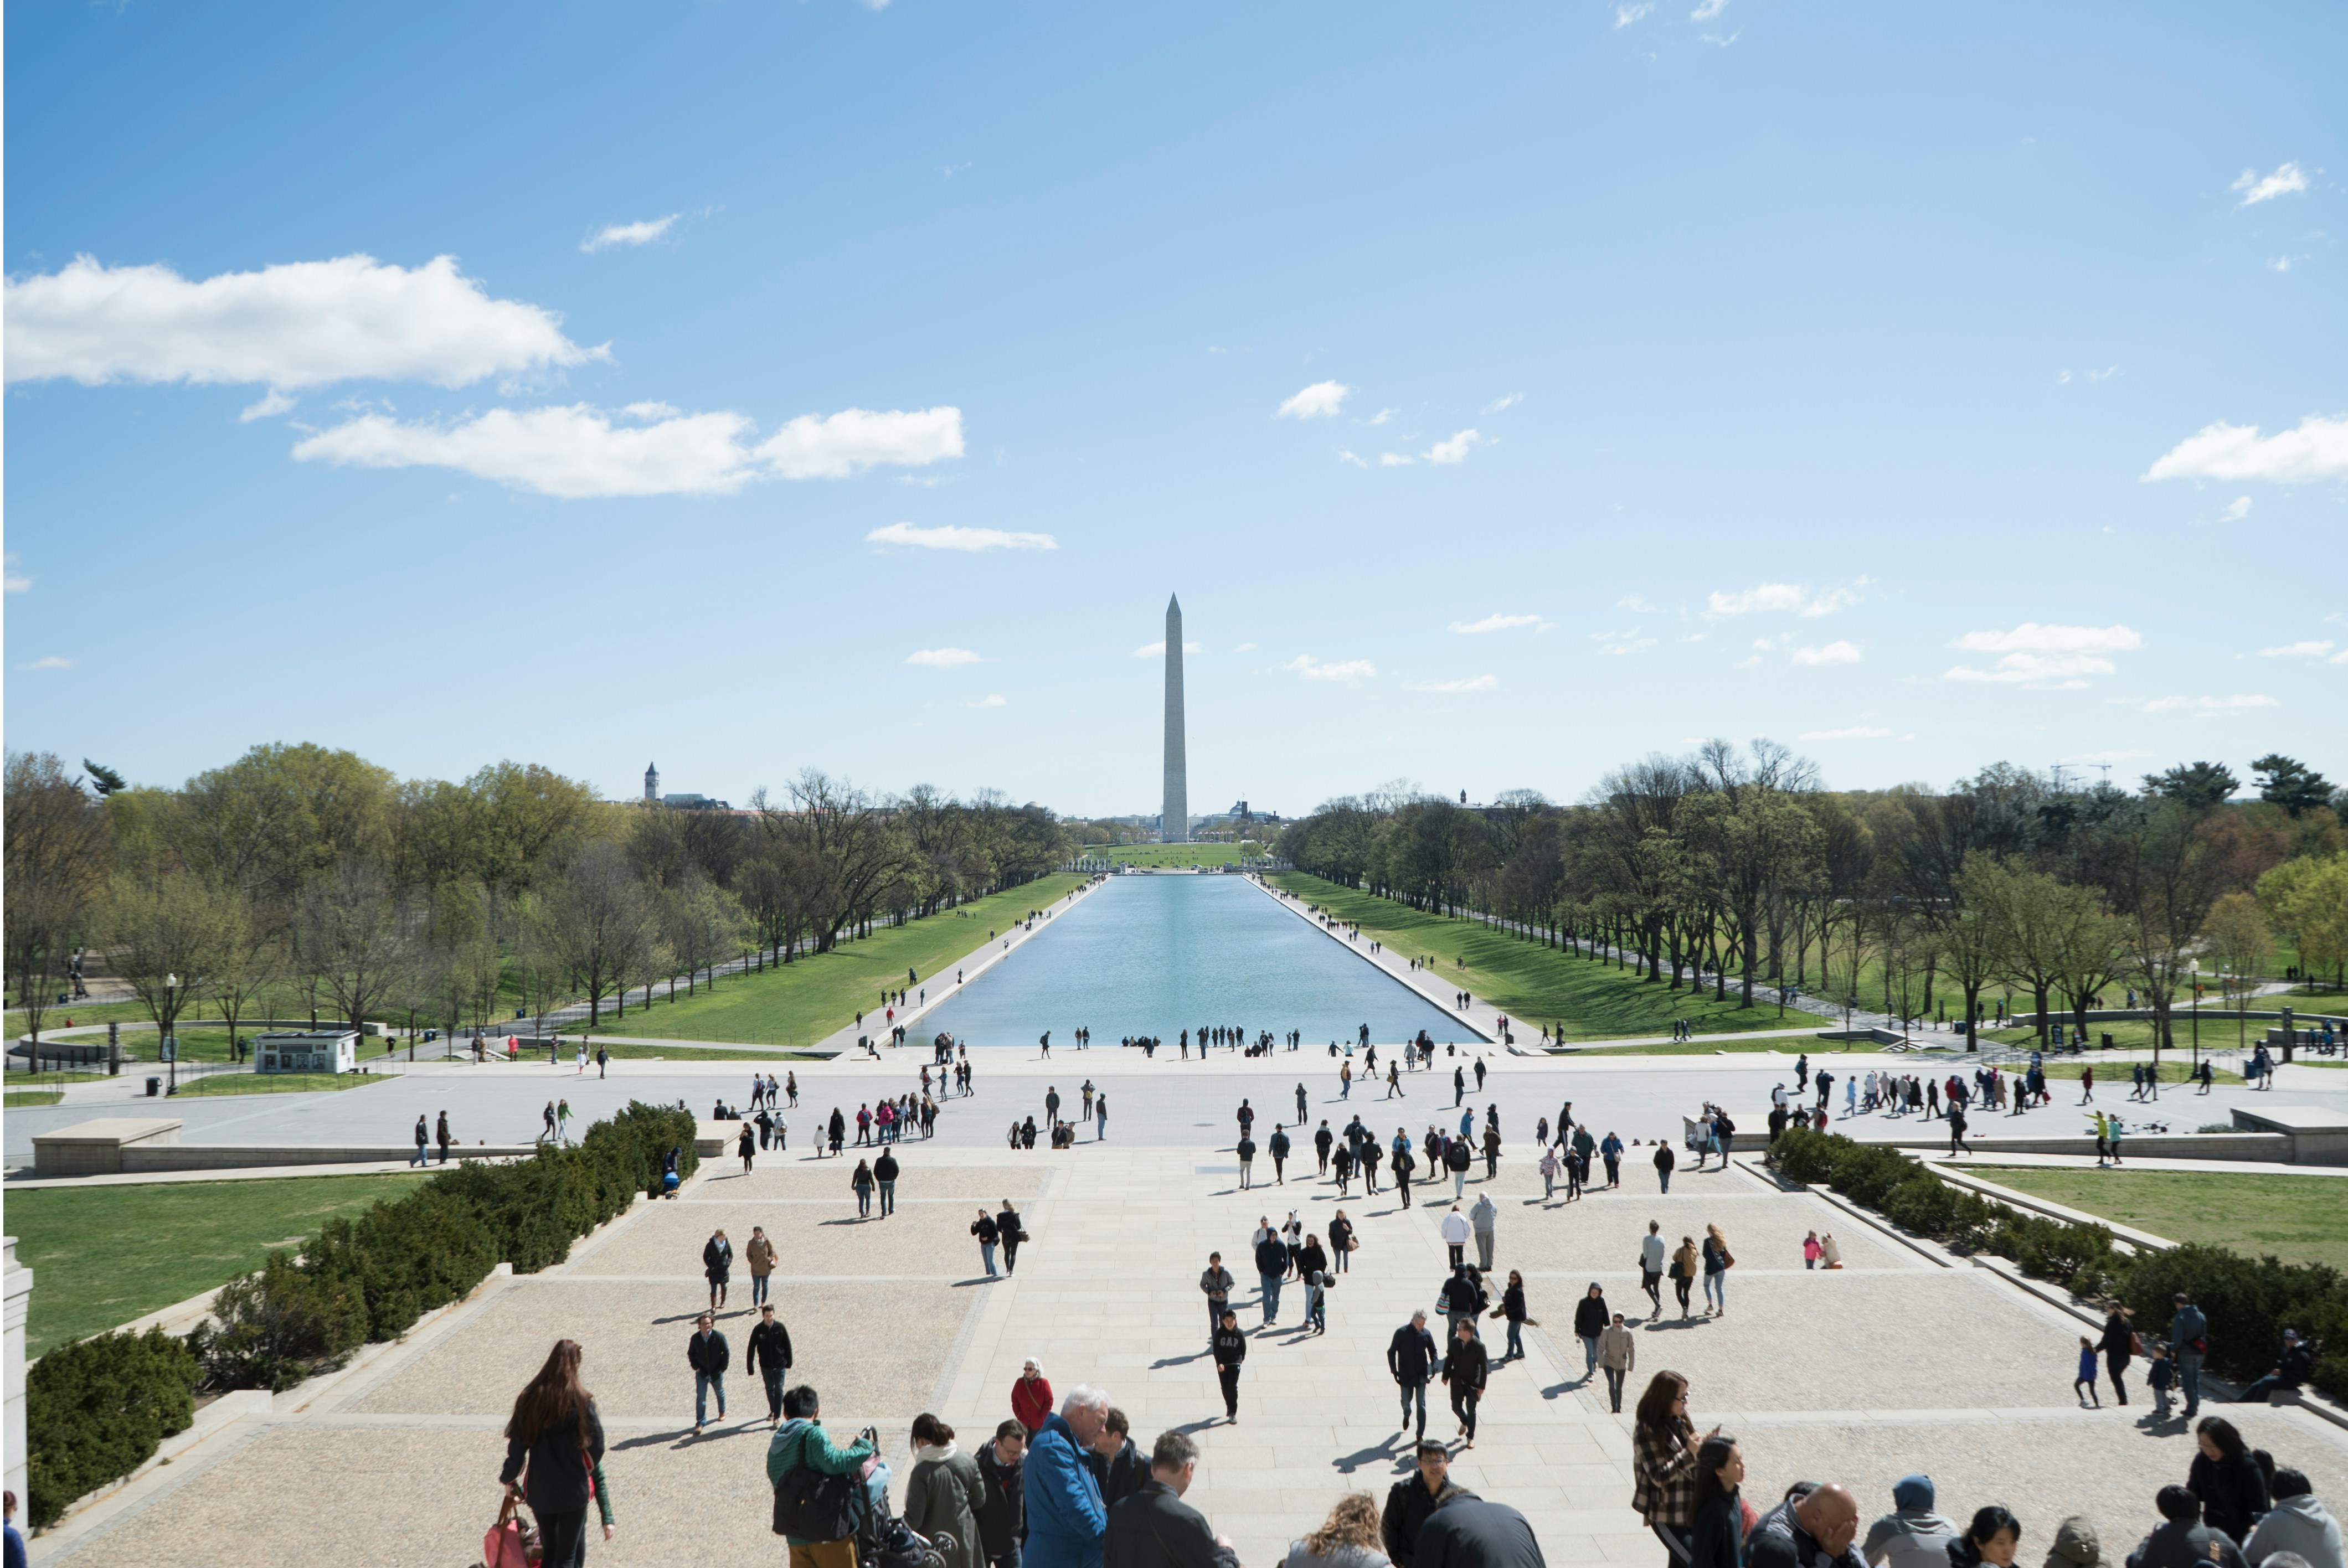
(1348,1538)
(1663,1463)
(1717,1539)
(1989,1541)
(2227,1480)
(863,1182)
(1685,1265)
(945,1493)
(554,1456)
(1716,1263)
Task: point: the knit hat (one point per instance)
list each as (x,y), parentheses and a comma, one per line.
(1912,1491)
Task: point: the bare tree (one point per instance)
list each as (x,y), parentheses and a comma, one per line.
(595,917)
(168,931)
(250,960)
(352,940)
(58,846)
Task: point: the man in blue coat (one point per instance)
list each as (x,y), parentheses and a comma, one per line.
(1067,1522)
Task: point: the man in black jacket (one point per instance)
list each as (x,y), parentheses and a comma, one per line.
(1271,1268)
(1246,1150)
(1230,1350)
(2290,1369)
(1322,1141)
(1410,1356)
(1117,1465)
(770,1357)
(884,1171)
(708,1354)
(1464,1370)
(1664,1161)
(1155,1528)
(1279,1147)
(1473,1533)
(1003,1516)
(1413,1500)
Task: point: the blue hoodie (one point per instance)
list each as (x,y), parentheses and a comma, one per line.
(1066,1521)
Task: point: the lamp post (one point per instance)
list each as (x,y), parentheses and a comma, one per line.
(170,1039)
(2196,1013)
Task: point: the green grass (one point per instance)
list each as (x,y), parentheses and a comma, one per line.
(104,1255)
(1534,985)
(34,1097)
(2299,1219)
(801,1002)
(1791,1045)
(689,1053)
(1157,856)
(276,1082)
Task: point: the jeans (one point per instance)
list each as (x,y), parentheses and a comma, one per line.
(888,1197)
(1459,1184)
(864,1202)
(1271,1282)
(2255,1394)
(703,1384)
(986,1251)
(2189,1377)
(1666,1177)
(1230,1378)
(1342,1258)
(419,1159)
(1215,1310)
(1715,1289)
(1549,1186)
(1415,1391)
(759,1283)
(562,1537)
(1463,1405)
(1589,1357)
(1615,1388)
(1516,1338)
(773,1377)
(1458,1255)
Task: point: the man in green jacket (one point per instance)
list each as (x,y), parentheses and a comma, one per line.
(802,1441)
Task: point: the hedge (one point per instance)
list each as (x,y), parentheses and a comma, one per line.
(2247,1301)
(97,1409)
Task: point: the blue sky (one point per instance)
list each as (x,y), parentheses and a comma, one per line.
(1919,388)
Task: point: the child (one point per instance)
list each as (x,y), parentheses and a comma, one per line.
(1810,1250)
(1829,1251)
(2084,1384)
(2159,1376)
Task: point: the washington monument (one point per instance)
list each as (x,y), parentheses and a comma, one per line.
(1174,824)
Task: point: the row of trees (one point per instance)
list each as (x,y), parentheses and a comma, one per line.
(1738,862)
(302,872)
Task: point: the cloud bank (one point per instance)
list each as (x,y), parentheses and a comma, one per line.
(1318,400)
(2317,450)
(642,233)
(951,536)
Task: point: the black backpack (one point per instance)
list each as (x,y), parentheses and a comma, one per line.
(814,1506)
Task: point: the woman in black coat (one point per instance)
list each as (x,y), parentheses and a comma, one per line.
(1719,1538)
(2227,1480)
(1590,1316)
(2118,1344)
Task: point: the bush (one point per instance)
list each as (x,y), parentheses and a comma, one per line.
(97,1409)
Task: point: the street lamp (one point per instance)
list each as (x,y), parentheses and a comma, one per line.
(170,1040)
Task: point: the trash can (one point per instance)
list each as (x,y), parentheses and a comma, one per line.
(154,1087)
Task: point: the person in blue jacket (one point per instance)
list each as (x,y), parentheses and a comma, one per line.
(1067,1522)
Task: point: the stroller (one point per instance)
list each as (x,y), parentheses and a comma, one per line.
(884,1539)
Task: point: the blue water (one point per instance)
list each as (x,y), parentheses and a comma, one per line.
(1157,955)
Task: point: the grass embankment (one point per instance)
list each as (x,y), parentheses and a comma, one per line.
(104,1255)
(34,1097)
(2299,1219)
(802,1001)
(1161,856)
(1536,985)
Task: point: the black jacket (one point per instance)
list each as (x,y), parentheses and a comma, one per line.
(1007,1226)
(1458,1295)
(1473,1533)
(1456,1157)
(1665,1158)
(717,1259)
(1322,1138)
(558,1474)
(1410,1354)
(2178,1545)
(1719,1538)
(2116,1337)
(983,1229)
(1408,1508)
(2233,1492)
(1271,1257)
(770,1347)
(1341,1236)
(884,1169)
(711,1353)
(1118,1477)
(1230,1348)
(1512,1304)
(1155,1529)
(1246,1149)
(1278,1145)
(1466,1366)
(1003,1516)
(1590,1316)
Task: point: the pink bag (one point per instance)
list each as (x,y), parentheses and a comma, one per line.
(508,1543)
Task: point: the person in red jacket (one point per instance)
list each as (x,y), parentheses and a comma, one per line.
(1030,1397)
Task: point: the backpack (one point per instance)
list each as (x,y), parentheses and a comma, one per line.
(812,1505)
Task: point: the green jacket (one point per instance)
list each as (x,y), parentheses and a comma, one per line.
(800,1442)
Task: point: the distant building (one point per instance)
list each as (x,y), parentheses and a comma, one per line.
(695,802)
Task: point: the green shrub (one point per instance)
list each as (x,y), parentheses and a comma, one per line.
(96,1409)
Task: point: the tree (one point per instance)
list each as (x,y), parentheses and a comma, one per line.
(2031,911)
(703,923)
(2308,900)
(2290,783)
(596,917)
(1753,838)
(352,941)
(56,854)
(167,932)
(2198,787)
(2237,935)
(102,779)
(249,960)
(2165,871)
(1972,939)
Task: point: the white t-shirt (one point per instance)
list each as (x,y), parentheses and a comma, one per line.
(1455,1229)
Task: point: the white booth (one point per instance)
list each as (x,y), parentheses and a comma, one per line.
(307,1051)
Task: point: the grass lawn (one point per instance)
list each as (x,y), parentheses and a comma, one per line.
(1163,854)
(2299,1219)
(276,1082)
(802,1001)
(1533,984)
(104,1255)
(34,1097)
(688,1053)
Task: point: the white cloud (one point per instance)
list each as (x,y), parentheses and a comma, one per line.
(943,657)
(299,324)
(1707,10)
(1637,606)
(1348,671)
(1851,733)
(1626,14)
(2287,178)
(2285,263)
(1782,596)
(2318,449)
(579,452)
(1473,684)
(2029,637)
(1830,653)
(1393,460)
(1500,404)
(2298,650)
(51,663)
(953,537)
(1345,456)
(1318,400)
(1494,623)
(2208,704)
(2061,671)
(269,407)
(1617,643)
(1722,40)
(642,233)
(1154,650)
(1383,416)
(1748,664)
(1456,449)
(992,700)
(2240,509)
(12,580)
(1244,648)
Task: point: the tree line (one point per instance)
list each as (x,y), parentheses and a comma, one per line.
(304,871)
(1738,862)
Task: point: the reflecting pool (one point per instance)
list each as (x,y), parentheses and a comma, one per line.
(1157,955)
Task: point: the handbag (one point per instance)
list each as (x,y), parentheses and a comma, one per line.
(811,1505)
(510,1541)
(2136,1343)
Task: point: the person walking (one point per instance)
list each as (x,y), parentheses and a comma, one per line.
(1003,1520)
(1590,1317)
(1611,1150)
(1342,1243)
(1512,1308)
(1652,1251)
(770,1357)
(1717,1262)
(1246,1152)
(1454,1231)
(1031,1396)
(1279,1147)
(1405,1166)
(717,1266)
(1100,1119)
(1216,1281)
(801,1443)
(1662,1464)
(555,1449)
(1414,1500)
(1271,1268)
(746,1146)
(943,1494)
(860,1178)
(1685,1265)
(1410,1360)
(1457,1159)
(884,1176)
(1348,1538)
(708,1355)
(1664,1161)
(983,1229)
(2119,1345)
(422,1138)
(1010,1233)
(1230,1349)
(760,1254)
(441,1133)
(2083,1385)
(1481,1219)
(1618,1354)
(1466,1369)
(1066,1520)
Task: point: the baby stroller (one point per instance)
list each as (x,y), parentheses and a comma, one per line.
(885,1540)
